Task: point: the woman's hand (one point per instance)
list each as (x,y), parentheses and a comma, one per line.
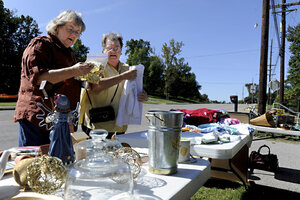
(130,74)
(82,68)
(142,96)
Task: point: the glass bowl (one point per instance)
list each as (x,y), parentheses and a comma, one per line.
(99,176)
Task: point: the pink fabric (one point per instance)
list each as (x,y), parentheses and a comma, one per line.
(231,121)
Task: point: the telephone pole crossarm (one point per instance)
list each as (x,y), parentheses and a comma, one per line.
(284,11)
(285,4)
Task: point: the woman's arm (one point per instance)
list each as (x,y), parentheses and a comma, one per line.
(58,75)
(105,83)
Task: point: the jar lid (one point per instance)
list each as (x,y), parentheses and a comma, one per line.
(98,165)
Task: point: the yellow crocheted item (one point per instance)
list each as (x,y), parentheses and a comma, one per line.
(94,75)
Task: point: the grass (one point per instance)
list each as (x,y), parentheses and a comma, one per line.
(162,100)
(215,189)
(7,105)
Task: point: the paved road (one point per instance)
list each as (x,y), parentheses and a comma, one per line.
(288,178)
(8,130)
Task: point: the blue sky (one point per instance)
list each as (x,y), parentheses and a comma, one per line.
(221,43)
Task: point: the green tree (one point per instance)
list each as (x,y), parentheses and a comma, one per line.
(292,85)
(8,26)
(138,52)
(26,31)
(169,55)
(179,80)
(15,34)
(155,76)
(252,98)
(80,51)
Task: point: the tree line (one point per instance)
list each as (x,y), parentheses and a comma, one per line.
(168,75)
(15,34)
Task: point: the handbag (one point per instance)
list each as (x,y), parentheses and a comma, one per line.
(268,162)
(102,114)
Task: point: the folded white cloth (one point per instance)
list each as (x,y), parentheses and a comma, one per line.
(130,110)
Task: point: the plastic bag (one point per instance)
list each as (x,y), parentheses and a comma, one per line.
(99,62)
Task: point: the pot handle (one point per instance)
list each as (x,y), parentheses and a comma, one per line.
(153,115)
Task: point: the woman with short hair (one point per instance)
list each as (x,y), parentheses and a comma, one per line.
(49,58)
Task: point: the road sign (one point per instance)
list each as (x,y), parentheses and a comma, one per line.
(274,84)
(253,89)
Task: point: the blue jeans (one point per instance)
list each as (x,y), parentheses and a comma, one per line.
(30,135)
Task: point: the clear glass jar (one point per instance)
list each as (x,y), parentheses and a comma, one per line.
(99,134)
(99,176)
(97,144)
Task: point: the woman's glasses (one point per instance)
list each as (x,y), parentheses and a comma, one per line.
(71,31)
(115,49)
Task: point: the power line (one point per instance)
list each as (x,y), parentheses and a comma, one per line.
(225,53)
(221,83)
(275,23)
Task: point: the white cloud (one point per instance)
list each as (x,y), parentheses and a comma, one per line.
(105,8)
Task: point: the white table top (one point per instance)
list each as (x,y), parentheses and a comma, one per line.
(217,151)
(220,151)
(275,130)
(182,185)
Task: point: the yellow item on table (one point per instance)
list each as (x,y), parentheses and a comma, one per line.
(279,112)
(183,129)
(194,130)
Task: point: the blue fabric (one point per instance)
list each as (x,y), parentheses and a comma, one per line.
(30,135)
(231,130)
(61,145)
(296,127)
(211,127)
(208,128)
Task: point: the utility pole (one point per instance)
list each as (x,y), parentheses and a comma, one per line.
(282,52)
(263,57)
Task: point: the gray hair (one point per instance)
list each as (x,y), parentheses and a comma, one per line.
(63,18)
(112,37)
